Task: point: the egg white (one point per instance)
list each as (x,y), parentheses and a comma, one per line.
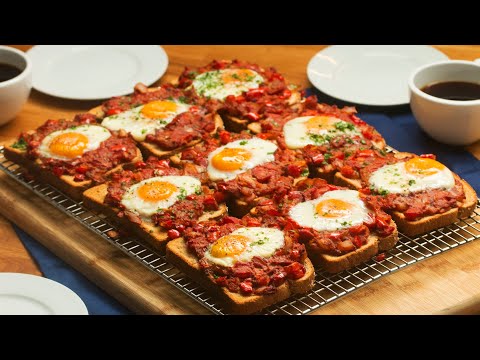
(304,214)
(186,185)
(135,123)
(210,84)
(396,179)
(262,152)
(297,135)
(264,242)
(96,135)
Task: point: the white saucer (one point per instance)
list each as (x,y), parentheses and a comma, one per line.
(90,72)
(369,74)
(23,294)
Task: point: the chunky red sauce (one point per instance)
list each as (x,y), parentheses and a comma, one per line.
(260,276)
(270,98)
(183,213)
(92,165)
(413,205)
(325,242)
(119,104)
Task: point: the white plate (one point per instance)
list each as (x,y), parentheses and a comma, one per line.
(22,294)
(90,72)
(369,74)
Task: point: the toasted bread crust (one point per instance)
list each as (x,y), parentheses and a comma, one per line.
(335,264)
(64,183)
(178,255)
(155,236)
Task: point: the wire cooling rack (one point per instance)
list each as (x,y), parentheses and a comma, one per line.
(327,287)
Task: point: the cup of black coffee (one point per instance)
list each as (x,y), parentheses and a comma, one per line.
(15,82)
(445,100)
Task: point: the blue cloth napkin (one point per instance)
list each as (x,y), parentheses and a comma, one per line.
(97,301)
(396,124)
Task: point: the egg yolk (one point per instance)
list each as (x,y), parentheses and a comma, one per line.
(237,75)
(333,208)
(229,245)
(423,166)
(230,159)
(156,191)
(318,123)
(158,109)
(69,145)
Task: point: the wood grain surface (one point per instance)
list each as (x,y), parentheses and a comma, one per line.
(447,283)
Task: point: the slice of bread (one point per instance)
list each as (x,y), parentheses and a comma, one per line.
(149,149)
(432,222)
(335,264)
(179,255)
(155,236)
(64,183)
(427,223)
(236,124)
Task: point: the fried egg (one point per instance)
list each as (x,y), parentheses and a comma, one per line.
(158,193)
(315,130)
(243,244)
(144,120)
(219,84)
(226,162)
(413,175)
(334,210)
(72,143)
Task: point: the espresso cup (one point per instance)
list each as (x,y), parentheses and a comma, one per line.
(14,92)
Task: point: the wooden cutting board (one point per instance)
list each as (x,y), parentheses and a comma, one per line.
(446,283)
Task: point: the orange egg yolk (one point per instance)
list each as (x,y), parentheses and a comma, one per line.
(229,245)
(158,109)
(423,166)
(156,191)
(333,208)
(69,145)
(230,159)
(237,75)
(318,124)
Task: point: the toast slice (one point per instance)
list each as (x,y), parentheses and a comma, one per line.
(334,264)
(149,149)
(64,183)
(427,223)
(236,124)
(155,236)
(179,255)
(432,222)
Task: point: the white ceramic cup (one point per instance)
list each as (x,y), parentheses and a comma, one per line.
(14,92)
(452,122)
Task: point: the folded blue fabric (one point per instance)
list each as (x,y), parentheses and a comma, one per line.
(97,301)
(398,127)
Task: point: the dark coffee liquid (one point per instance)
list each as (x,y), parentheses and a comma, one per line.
(453,90)
(8,72)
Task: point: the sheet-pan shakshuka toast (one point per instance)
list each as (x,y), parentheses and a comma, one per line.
(243,182)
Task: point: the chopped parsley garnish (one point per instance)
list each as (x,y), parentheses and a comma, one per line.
(170,98)
(162,122)
(346,223)
(72,127)
(198,190)
(183,99)
(144,131)
(183,194)
(243,142)
(343,126)
(21,144)
(305,172)
(320,139)
(383,192)
(382,152)
(260,241)
(411,182)
(271,153)
(363,142)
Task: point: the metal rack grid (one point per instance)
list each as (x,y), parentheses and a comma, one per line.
(327,287)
